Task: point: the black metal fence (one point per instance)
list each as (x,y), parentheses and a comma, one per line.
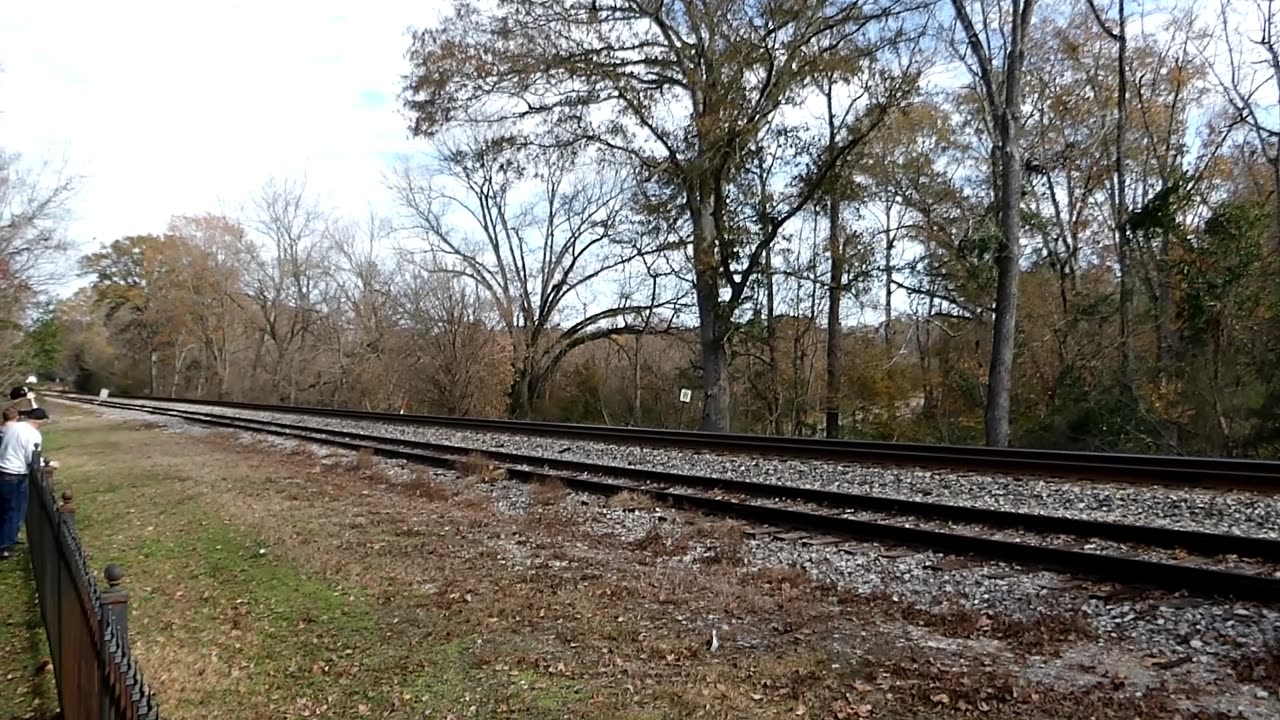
(87,627)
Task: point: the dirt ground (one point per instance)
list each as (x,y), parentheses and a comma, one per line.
(272,582)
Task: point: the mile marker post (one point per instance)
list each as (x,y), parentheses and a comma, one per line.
(686,395)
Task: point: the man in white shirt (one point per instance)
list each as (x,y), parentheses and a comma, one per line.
(17,446)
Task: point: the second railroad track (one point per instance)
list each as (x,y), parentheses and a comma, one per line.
(1169,559)
(1184,471)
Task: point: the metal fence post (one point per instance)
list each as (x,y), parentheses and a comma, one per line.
(115,603)
(68,509)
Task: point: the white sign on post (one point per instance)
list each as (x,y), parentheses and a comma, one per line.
(103,393)
(685,395)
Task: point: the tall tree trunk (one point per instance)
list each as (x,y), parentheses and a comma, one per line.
(1122,206)
(224,373)
(835,330)
(1166,340)
(1008,270)
(712,330)
(715,378)
(1275,210)
(1123,250)
(635,381)
(1004,107)
(254,368)
(151,359)
(521,399)
(835,291)
(771,337)
(178,357)
(888,274)
(924,333)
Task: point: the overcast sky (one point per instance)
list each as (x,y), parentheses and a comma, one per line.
(181,107)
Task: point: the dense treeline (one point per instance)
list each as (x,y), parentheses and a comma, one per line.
(1047,223)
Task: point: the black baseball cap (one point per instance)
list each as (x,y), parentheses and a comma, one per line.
(38,414)
(18,393)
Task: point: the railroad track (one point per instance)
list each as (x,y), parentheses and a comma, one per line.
(1222,473)
(1197,562)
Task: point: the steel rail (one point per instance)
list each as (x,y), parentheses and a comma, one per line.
(1116,568)
(1201,542)
(1223,473)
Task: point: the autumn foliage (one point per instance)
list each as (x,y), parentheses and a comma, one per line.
(564,269)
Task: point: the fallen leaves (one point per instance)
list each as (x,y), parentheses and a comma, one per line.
(848,710)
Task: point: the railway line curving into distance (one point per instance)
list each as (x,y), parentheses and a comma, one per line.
(1168,559)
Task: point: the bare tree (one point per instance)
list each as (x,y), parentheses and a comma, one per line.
(1251,82)
(836,252)
(216,252)
(996,67)
(284,279)
(459,363)
(361,317)
(33,207)
(1120,35)
(533,248)
(681,89)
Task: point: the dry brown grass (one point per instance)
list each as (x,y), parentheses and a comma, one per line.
(659,543)
(631,500)
(430,488)
(478,467)
(364,460)
(473,502)
(779,576)
(547,492)
(549,524)
(726,540)
(651,540)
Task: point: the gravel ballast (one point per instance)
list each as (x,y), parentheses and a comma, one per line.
(1200,642)
(1241,513)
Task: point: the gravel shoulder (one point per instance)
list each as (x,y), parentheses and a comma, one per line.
(607,595)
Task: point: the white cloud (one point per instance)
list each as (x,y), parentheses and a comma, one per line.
(168,108)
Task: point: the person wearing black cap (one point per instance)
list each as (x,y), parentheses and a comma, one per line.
(17,447)
(23,399)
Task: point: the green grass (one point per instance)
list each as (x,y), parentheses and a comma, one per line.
(233,630)
(25,691)
(27,688)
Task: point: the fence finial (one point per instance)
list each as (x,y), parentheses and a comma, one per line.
(68,508)
(115,602)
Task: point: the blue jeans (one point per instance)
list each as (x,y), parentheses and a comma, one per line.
(13,508)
